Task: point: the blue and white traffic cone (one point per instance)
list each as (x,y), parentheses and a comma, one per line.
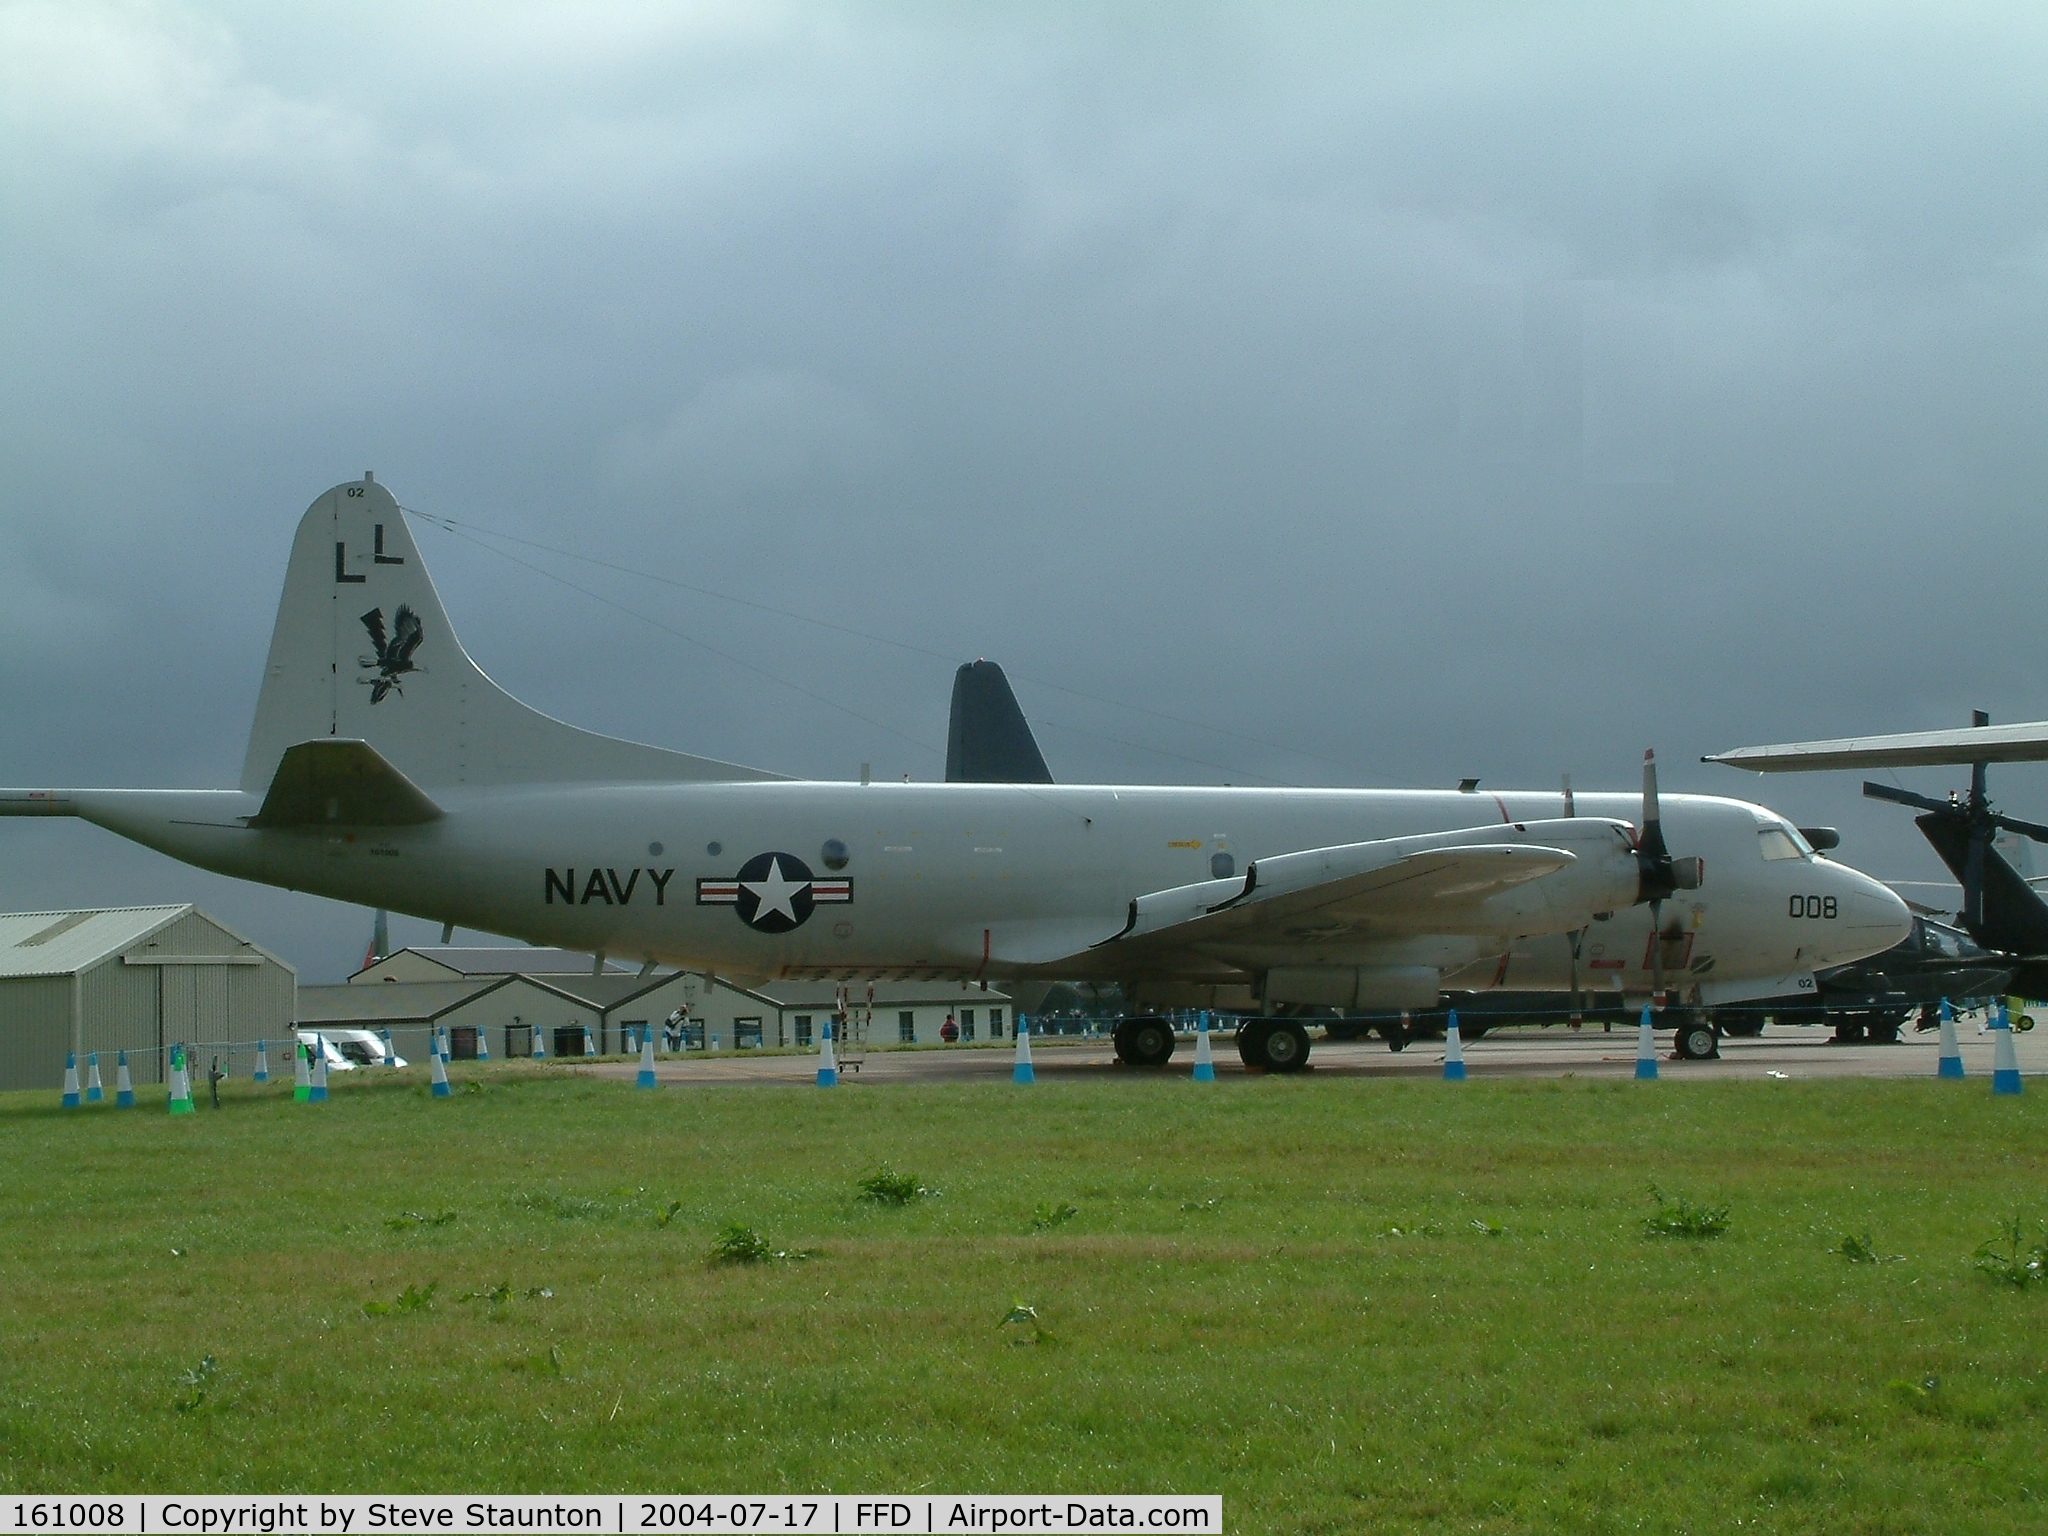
(71,1080)
(645,1079)
(483,1042)
(1205,1059)
(2005,1061)
(1950,1062)
(94,1092)
(181,1083)
(589,1041)
(439,1071)
(1022,1072)
(828,1064)
(540,1044)
(302,1072)
(390,1056)
(1454,1050)
(262,1072)
(124,1085)
(317,1087)
(1646,1049)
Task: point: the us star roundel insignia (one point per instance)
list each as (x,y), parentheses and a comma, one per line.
(774,892)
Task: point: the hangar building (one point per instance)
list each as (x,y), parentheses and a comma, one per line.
(139,979)
(508,995)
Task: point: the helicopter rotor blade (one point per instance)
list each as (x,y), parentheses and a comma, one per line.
(2032,829)
(1906,797)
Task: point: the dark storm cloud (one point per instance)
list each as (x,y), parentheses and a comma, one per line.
(1429,392)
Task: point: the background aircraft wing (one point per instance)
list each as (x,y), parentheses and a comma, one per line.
(2023,743)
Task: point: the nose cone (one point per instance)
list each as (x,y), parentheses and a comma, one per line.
(1871,918)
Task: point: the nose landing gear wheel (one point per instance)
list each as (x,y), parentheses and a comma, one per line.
(1144,1042)
(1699,1040)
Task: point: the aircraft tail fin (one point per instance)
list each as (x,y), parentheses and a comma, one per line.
(363,651)
(988,740)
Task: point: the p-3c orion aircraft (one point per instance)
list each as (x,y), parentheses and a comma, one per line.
(385,768)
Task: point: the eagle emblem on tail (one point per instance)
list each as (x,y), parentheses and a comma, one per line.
(394,652)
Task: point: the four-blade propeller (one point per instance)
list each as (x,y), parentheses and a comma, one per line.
(1658,874)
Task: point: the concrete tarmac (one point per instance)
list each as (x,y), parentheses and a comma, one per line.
(1785,1052)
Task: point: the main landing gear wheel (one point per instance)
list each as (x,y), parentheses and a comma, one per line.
(1277,1045)
(1699,1040)
(1144,1042)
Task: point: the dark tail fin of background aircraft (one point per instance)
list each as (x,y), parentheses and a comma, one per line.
(988,740)
(2015,917)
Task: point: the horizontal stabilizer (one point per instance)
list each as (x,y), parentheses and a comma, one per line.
(2023,743)
(343,783)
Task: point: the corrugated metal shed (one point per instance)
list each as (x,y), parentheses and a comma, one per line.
(138,979)
(58,943)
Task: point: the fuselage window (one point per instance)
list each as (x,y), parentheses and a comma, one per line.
(1221,866)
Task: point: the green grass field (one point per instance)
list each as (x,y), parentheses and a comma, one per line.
(1344,1305)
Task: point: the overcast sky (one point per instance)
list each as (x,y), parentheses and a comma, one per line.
(1384,395)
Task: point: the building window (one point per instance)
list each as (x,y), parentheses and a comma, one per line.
(995,1023)
(462,1043)
(746,1034)
(906,1028)
(568,1040)
(518,1039)
(693,1034)
(966,1024)
(803,1030)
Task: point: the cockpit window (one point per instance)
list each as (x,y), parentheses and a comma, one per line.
(1781,842)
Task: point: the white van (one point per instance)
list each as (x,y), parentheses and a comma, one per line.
(348,1049)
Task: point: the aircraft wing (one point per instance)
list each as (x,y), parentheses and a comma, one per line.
(344,782)
(2023,743)
(1432,883)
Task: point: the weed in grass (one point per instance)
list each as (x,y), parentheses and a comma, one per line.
(1679,1217)
(1024,1319)
(405,1221)
(664,1218)
(1922,1396)
(2004,1261)
(1048,1215)
(564,1207)
(1860,1250)
(198,1382)
(885,1186)
(1489,1228)
(549,1364)
(739,1244)
(413,1298)
(1209,1204)
(501,1292)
